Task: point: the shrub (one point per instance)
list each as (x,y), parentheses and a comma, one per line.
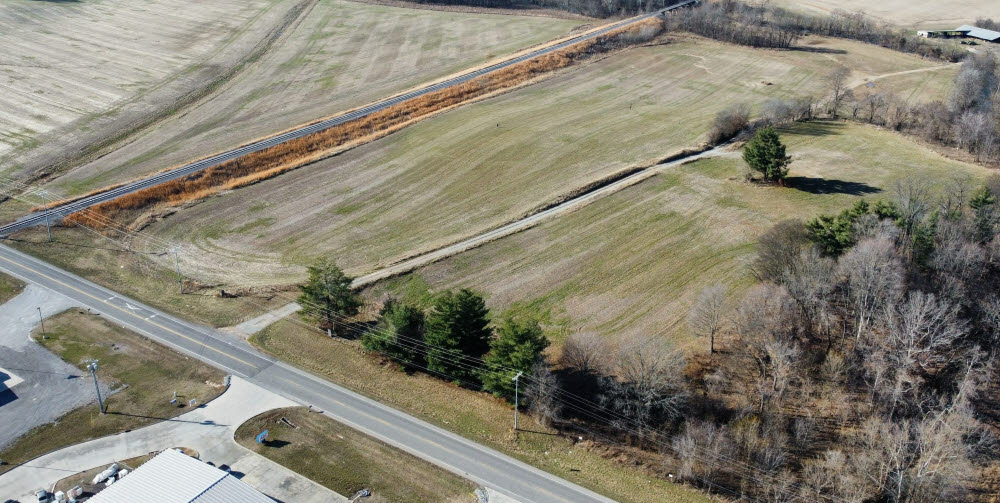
(729,123)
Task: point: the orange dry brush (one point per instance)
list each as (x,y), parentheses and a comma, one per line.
(289,155)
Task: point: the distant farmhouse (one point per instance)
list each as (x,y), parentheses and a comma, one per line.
(965,31)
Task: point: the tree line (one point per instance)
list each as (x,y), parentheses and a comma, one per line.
(857,368)
(863,360)
(969,119)
(454,339)
(594,8)
(764,25)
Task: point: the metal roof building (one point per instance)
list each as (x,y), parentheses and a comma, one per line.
(980,33)
(174,477)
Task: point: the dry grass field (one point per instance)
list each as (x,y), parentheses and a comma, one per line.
(69,68)
(278,159)
(476,416)
(151,372)
(914,86)
(635,261)
(338,56)
(346,460)
(484,164)
(113,263)
(934,15)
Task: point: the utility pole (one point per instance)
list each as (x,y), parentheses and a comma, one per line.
(515,379)
(41,321)
(45,209)
(177,266)
(92,367)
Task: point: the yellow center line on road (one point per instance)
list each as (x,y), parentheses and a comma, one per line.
(130,313)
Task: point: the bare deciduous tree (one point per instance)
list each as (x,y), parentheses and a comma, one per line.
(778,249)
(708,314)
(647,386)
(542,392)
(837,80)
(810,282)
(921,341)
(912,198)
(874,275)
(975,132)
(898,113)
(584,352)
(700,450)
(765,321)
(728,123)
(990,307)
(875,106)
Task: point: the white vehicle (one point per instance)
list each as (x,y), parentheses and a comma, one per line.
(42,496)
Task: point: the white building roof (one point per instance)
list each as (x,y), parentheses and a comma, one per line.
(981,33)
(174,477)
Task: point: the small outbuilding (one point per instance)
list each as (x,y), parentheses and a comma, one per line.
(174,477)
(964,31)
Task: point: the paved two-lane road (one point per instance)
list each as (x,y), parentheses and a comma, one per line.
(39,218)
(478,463)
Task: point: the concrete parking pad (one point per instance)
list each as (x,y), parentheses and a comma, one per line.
(208,429)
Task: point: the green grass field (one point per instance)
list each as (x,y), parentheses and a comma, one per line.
(346,460)
(634,262)
(476,416)
(484,164)
(9,287)
(151,371)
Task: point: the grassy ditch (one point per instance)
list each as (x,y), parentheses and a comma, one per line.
(346,461)
(147,276)
(146,373)
(629,477)
(289,155)
(9,288)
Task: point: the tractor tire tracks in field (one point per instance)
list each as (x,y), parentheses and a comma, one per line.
(563,205)
(123,131)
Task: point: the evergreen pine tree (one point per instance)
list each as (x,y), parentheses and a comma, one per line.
(457,333)
(517,347)
(399,334)
(766,154)
(327,297)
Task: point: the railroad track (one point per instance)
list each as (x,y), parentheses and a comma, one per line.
(58,212)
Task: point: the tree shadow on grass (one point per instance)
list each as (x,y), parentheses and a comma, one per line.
(830,186)
(277,444)
(820,50)
(817,127)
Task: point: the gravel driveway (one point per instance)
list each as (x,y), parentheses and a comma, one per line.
(50,387)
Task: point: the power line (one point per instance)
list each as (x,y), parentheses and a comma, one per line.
(581,405)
